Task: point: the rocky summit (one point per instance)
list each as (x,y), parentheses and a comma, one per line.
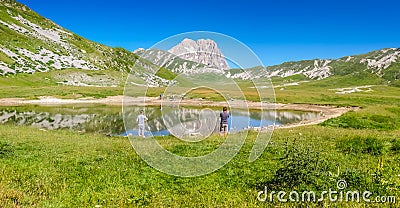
(204,51)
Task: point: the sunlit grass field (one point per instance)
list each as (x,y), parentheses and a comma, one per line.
(69,169)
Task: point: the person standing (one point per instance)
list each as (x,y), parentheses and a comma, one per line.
(224,115)
(141,119)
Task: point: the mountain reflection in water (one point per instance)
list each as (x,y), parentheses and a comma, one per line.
(109,119)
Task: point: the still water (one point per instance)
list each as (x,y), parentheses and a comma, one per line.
(109,119)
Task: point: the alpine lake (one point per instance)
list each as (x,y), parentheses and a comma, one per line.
(109,119)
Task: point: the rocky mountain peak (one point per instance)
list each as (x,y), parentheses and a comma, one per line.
(204,51)
(139,50)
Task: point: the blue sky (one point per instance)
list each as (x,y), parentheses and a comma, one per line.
(277,31)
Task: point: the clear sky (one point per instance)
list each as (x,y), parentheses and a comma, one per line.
(277,31)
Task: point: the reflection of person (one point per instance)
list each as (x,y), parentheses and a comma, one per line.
(141,119)
(224,115)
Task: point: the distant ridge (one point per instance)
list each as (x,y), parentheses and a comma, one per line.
(384,63)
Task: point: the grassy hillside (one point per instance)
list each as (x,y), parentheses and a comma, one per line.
(30,43)
(327,91)
(383,63)
(52,83)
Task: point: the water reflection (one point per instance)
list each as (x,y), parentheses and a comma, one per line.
(109,119)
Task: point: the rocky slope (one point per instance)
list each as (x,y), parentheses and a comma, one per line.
(384,63)
(377,62)
(201,51)
(168,60)
(30,43)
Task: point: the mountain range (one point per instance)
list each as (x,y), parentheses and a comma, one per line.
(30,43)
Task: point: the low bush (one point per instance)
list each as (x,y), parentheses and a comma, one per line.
(6,149)
(301,167)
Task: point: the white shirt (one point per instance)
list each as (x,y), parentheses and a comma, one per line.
(141,119)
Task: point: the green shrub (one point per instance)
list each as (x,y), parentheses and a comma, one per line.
(301,167)
(354,179)
(6,149)
(395,145)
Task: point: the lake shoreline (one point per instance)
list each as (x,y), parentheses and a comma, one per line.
(326,111)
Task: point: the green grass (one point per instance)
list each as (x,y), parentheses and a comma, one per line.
(323,92)
(4,58)
(371,117)
(32,86)
(289,79)
(165,73)
(68,169)
(355,145)
(60,92)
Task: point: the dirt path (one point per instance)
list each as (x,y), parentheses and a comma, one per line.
(326,112)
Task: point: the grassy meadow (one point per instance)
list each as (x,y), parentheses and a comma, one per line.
(69,169)
(32,86)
